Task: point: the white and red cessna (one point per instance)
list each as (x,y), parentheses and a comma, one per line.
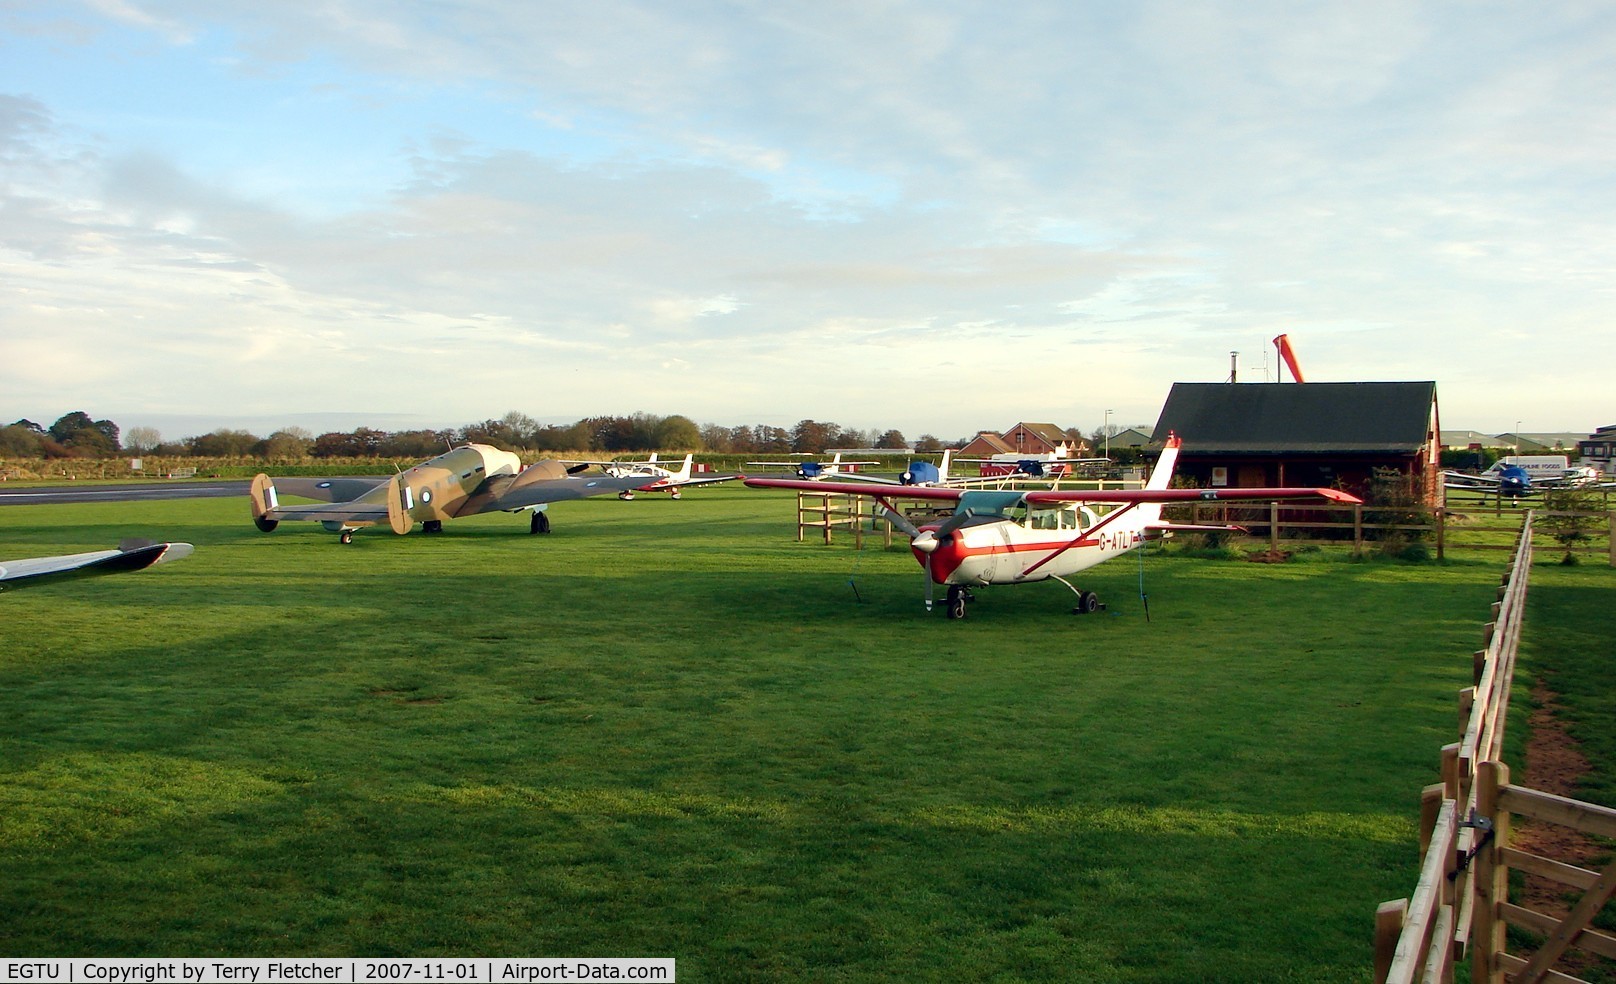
(1012,537)
(660,476)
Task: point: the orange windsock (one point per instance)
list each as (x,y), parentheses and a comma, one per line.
(1283,343)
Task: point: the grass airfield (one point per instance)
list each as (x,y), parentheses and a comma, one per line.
(668,729)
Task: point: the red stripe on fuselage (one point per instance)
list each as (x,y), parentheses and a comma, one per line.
(951,553)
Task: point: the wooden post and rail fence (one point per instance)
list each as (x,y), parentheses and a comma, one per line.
(1461,904)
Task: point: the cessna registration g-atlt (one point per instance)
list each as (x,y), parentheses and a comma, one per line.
(1008,537)
(466,481)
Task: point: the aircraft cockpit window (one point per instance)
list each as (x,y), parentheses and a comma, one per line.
(1054,519)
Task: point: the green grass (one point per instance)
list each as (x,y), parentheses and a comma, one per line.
(667,729)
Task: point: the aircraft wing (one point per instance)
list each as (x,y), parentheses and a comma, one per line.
(1110,496)
(1142,496)
(131,555)
(327,489)
(353,513)
(1465,480)
(859,488)
(681,483)
(512,496)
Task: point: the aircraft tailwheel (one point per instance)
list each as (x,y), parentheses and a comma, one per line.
(266,525)
(626,496)
(957,597)
(539,524)
(674,493)
(347,536)
(432,526)
(1087,603)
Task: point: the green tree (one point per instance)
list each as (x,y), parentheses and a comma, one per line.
(1570,516)
(17,441)
(678,433)
(84,437)
(290,442)
(415,444)
(812,437)
(224,443)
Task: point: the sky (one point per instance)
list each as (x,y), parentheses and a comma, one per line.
(928,215)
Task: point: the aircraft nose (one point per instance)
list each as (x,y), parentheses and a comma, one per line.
(926,542)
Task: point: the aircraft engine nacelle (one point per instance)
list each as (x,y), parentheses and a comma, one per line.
(921,473)
(540,471)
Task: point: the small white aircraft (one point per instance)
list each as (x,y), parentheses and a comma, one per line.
(1048,465)
(1523,475)
(1008,537)
(816,471)
(916,472)
(131,555)
(660,475)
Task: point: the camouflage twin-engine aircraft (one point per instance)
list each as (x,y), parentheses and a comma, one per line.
(466,481)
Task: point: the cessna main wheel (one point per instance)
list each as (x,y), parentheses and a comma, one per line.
(1087,603)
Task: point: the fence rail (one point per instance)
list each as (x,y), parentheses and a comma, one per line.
(1461,900)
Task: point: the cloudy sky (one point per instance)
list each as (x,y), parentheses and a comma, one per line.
(936,216)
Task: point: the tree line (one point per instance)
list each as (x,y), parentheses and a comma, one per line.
(77,435)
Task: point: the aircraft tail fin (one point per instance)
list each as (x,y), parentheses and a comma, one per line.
(264,501)
(1161,477)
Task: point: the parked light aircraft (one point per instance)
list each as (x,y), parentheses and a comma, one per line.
(916,472)
(1047,465)
(815,471)
(1516,476)
(131,555)
(660,476)
(466,481)
(1009,537)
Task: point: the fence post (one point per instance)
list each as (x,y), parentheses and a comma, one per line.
(1357,529)
(1273,527)
(1388,928)
(1613,538)
(1490,879)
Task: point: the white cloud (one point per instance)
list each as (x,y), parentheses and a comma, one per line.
(356,200)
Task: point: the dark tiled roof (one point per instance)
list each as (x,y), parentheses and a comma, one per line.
(1298,418)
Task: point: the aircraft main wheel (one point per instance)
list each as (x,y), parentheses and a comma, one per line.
(540,523)
(957,596)
(347,536)
(1087,603)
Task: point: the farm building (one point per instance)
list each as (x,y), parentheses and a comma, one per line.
(1024,438)
(1255,435)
